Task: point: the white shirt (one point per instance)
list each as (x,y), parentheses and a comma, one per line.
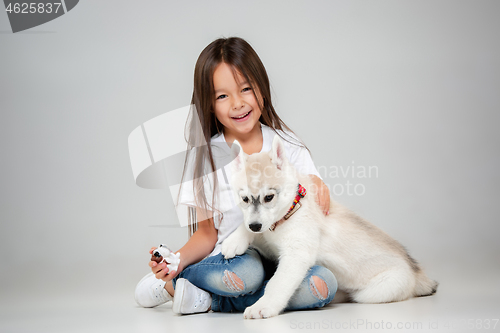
(299,157)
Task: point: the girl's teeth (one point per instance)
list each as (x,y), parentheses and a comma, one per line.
(243,116)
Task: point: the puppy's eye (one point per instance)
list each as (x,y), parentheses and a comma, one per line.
(245,199)
(268,198)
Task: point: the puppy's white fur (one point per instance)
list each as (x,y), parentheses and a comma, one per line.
(369,265)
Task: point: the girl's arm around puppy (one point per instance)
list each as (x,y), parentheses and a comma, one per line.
(323,197)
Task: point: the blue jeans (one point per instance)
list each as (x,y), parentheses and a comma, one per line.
(216,275)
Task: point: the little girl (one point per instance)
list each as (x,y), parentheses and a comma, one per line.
(232,99)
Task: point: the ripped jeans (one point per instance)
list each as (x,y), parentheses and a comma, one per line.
(239,282)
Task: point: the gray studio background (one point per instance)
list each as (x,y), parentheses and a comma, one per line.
(411,87)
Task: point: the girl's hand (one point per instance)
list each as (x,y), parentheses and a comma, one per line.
(323,194)
(161,271)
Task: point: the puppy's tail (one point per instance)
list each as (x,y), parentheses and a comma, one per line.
(425,286)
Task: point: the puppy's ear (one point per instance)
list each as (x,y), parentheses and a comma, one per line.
(278,152)
(238,157)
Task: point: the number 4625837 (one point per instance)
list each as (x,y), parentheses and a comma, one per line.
(33,8)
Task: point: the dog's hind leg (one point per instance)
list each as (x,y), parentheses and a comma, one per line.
(393,285)
(425,286)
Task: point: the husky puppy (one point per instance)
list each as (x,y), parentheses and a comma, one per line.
(369,265)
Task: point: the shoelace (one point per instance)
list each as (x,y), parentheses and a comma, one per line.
(158,292)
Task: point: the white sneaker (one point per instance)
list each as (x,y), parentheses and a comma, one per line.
(190,299)
(150,292)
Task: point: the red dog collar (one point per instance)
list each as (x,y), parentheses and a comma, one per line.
(301,192)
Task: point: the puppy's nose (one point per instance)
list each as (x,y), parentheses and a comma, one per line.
(255,226)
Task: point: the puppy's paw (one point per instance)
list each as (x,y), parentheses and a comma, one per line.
(261,310)
(233,247)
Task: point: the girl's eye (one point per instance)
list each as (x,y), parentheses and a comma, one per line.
(268,198)
(221,97)
(246,89)
(245,199)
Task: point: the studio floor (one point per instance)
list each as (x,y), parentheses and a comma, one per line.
(454,308)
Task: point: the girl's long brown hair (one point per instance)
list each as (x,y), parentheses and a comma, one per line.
(242,58)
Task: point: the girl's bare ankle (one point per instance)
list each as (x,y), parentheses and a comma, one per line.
(169,287)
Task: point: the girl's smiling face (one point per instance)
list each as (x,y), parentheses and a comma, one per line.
(235,104)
